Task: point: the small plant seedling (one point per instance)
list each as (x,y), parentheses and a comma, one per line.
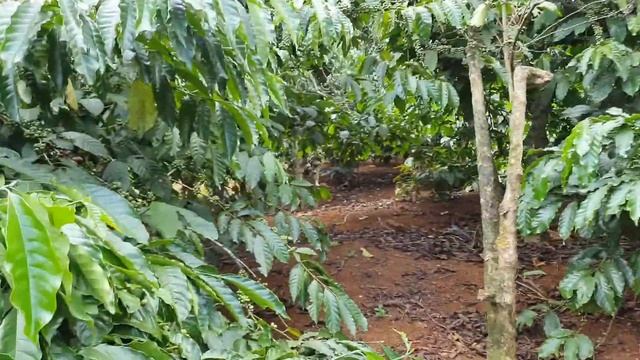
(381,312)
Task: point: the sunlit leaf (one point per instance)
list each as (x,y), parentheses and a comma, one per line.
(34,270)
(142,107)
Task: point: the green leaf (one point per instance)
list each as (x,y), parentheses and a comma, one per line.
(128,29)
(286,194)
(354,310)
(130,301)
(257,293)
(615,275)
(276,87)
(626,270)
(545,215)
(576,25)
(142,107)
(331,311)
(624,140)
(263,29)
(584,290)
(562,86)
(117,172)
(61,352)
(118,212)
(82,37)
(182,41)
(204,228)
(7,9)
(146,317)
(525,318)
(150,349)
(310,232)
(131,257)
(241,120)
(631,85)
(87,143)
(262,252)
(111,352)
(175,282)
(189,349)
(294,226)
(223,294)
(551,323)
(25,24)
(586,213)
(13,341)
(285,14)
(567,218)
(234,229)
(146,15)
(633,23)
(605,295)
(633,202)
(316,299)
(585,347)
(550,347)
(297,281)
(230,137)
(617,28)
(347,317)
(88,258)
(571,349)
(617,199)
(570,282)
(9,95)
(166,219)
(61,215)
(108,19)
(253,172)
(94,106)
(276,245)
(72,24)
(32,265)
(270,166)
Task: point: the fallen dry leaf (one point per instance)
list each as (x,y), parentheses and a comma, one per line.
(366,253)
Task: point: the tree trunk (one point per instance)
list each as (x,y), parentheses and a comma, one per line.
(501,325)
(539,110)
(508,66)
(488,187)
(298,163)
(507,50)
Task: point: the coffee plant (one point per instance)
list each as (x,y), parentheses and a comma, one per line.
(136,136)
(589,185)
(147,145)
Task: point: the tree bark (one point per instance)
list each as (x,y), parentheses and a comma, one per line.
(507,50)
(501,324)
(488,187)
(539,110)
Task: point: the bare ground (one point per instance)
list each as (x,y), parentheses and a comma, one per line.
(415,268)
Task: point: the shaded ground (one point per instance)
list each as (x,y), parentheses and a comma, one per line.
(415,267)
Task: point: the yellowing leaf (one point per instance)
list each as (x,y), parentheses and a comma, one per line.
(142,107)
(479,17)
(295,332)
(70,96)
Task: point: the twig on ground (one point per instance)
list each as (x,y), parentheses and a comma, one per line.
(345,220)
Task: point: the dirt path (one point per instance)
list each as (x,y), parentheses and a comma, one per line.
(416,268)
